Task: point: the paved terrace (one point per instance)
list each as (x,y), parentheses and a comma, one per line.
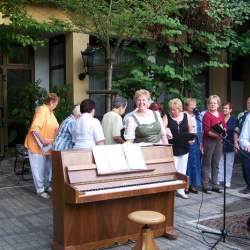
(26,219)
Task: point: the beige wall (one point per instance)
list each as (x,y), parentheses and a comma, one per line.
(75,42)
(219,80)
(41,13)
(5,21)
(44,13)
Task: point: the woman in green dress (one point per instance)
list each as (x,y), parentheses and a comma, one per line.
(145,125)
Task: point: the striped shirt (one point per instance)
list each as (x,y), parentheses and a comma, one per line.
(63,140)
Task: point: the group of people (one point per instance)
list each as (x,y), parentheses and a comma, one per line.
(197,147)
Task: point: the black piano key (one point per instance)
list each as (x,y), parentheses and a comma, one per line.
(124,186)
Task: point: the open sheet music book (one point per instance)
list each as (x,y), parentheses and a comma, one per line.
(118,158)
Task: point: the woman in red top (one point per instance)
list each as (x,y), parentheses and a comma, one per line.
(212,145)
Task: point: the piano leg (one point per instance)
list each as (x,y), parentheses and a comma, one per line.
(170,232)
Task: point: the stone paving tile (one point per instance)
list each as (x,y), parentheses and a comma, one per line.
(26,219)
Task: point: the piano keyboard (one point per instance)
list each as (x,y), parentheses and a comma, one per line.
(130,187)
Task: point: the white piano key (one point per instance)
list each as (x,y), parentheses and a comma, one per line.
(131,188)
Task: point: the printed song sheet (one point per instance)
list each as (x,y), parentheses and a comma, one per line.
(44,148)
(134,156)
(118,158)
(101,160)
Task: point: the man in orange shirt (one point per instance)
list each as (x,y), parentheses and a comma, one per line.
(42,133)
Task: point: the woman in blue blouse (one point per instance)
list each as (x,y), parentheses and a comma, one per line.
(228,147)
(194,157)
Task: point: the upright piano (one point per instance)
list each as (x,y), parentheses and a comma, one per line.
(90,210)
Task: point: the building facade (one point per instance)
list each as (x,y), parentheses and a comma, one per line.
(60,63)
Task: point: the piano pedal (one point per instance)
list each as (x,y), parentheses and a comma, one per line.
(115,244)
(131,242)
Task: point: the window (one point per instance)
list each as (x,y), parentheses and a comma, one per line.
(19,69)
(17,78)
(19,55)
(97,82)
(98,76)
(237,70)
(1,58)
(57,61)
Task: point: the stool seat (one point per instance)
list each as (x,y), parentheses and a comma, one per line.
(146,217)
(146,238)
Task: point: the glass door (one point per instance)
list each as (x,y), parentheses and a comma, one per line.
(16,70)
(3,120)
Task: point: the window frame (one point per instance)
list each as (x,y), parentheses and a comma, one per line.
(53,41)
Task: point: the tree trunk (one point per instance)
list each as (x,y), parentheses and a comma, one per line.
(109,83)
(111,56)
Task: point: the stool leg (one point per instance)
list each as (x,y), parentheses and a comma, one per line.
(146,240)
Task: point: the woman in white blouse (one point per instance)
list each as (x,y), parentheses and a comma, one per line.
(87,131)
(145,125)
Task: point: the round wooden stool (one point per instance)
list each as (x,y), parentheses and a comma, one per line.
(146,218)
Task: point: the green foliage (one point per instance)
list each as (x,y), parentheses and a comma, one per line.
(116,21)
(237,11)
(205,28)
(167,78)
(177,29)
(31,95)
(242,47)
(124,19)
(24,29)
(64,107)
(21,110)
(213,25)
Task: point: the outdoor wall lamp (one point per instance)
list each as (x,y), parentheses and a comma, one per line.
(88,61)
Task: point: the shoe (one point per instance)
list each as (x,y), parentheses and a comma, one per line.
(43,195)
(186,191)
(221,183)
(48,189)
(248,223)
(193,190)
(182,195)
(244,191)
(206,191)
(216,190)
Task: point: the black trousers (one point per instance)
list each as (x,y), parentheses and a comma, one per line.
(245,163)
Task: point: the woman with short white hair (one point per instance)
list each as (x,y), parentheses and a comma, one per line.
(180,125)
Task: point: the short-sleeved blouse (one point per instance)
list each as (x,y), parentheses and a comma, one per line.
(87,131)
(45,123)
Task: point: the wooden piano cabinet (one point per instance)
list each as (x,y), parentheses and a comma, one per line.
(101,224)
(91,224)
